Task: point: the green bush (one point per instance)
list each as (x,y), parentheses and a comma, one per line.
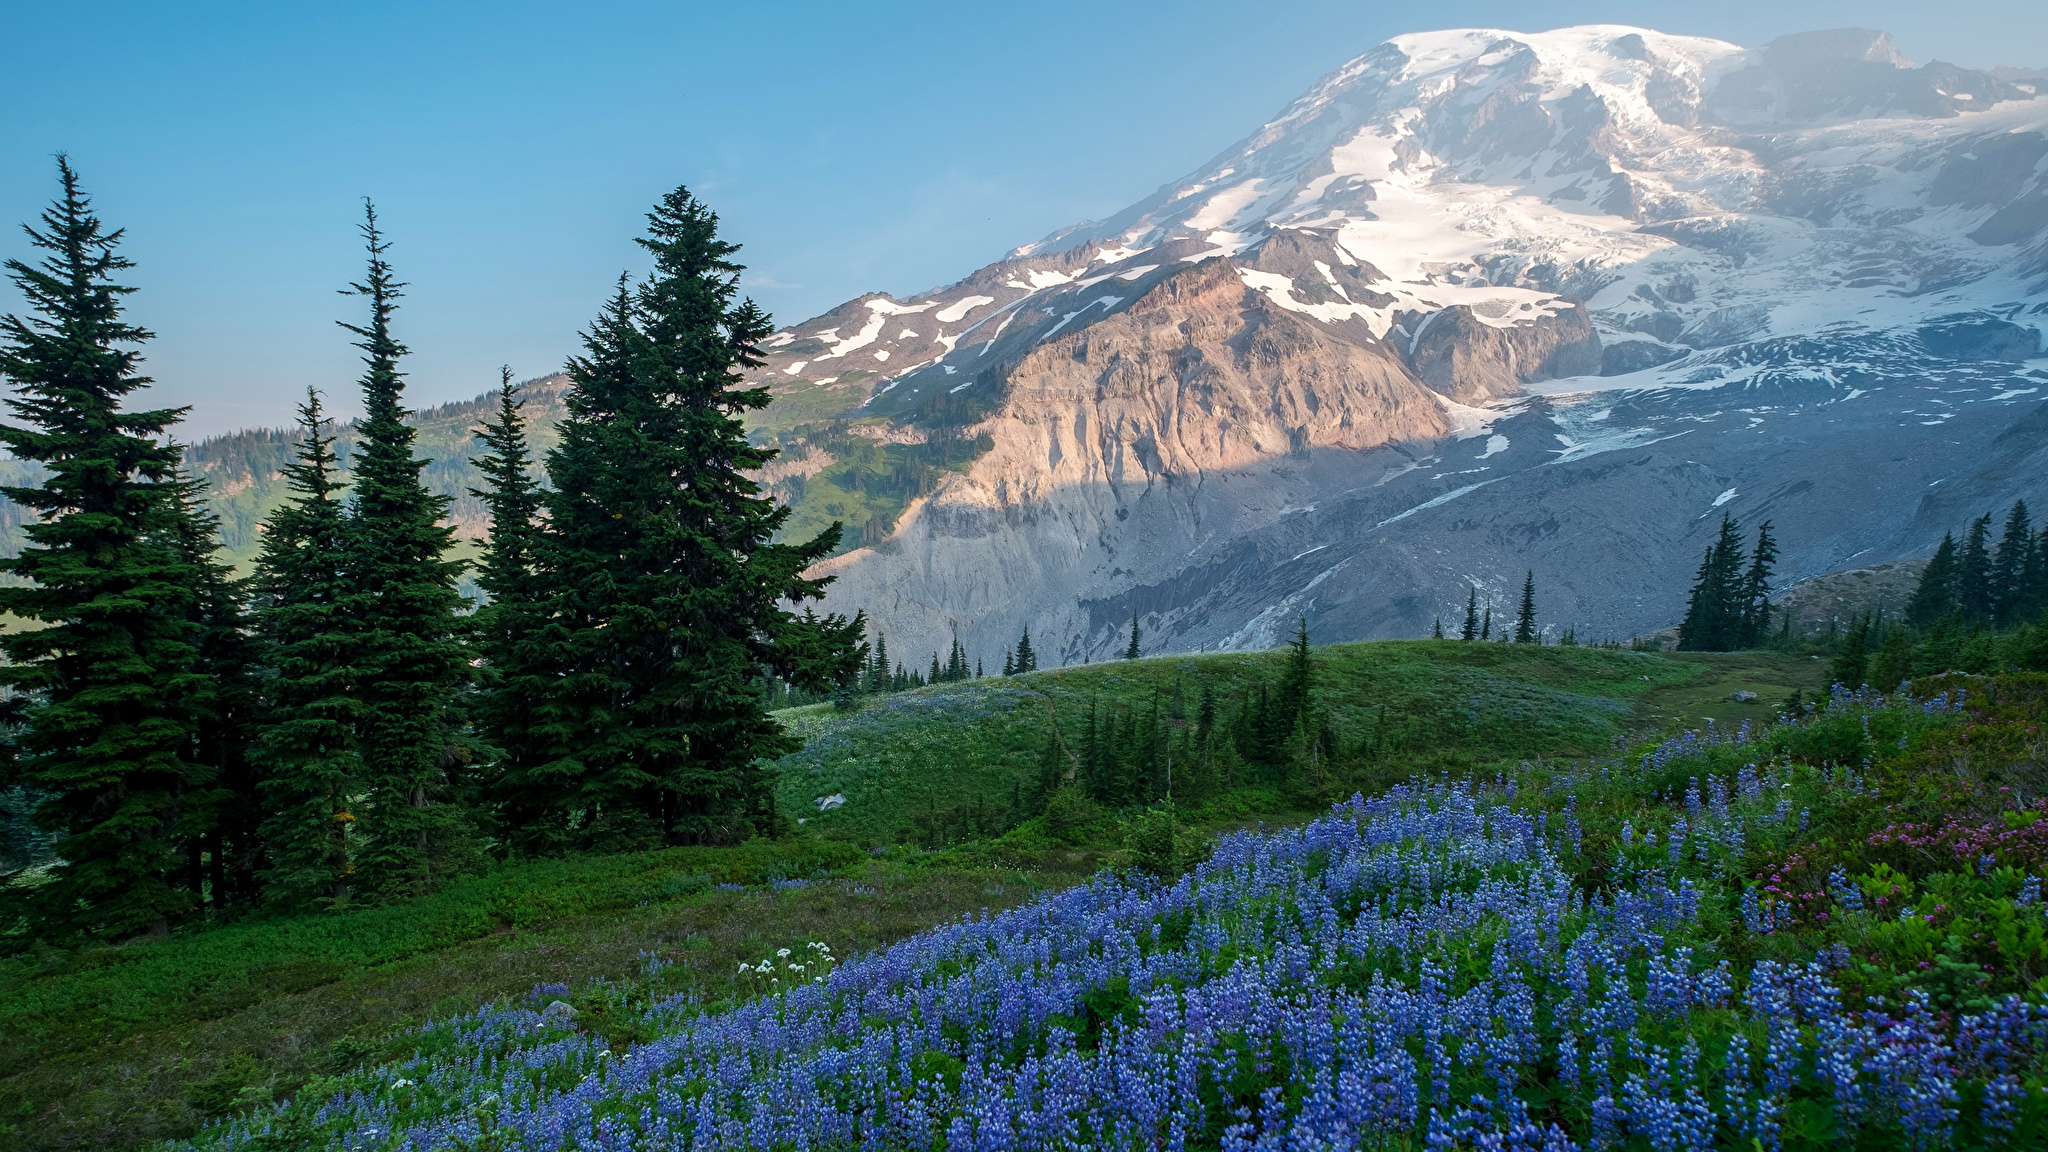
(1068,814)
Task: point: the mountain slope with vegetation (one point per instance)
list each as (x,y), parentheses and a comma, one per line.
(1825,931)
(124,1043)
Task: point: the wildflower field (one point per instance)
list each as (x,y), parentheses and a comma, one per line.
(1826,930)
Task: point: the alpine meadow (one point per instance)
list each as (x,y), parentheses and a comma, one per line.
(1506,611)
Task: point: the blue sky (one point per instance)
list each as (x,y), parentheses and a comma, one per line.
(511,147)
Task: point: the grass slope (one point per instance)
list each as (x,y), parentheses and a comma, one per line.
(1448,706)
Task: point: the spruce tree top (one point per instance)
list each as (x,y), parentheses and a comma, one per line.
(69,368)
(514,499)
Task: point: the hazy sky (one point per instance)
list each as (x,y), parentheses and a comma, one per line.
(511,147)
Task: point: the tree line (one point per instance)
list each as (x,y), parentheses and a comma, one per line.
(340,726)
(1977,607)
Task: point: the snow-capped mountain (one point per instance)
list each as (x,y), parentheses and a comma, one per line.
(1478,302)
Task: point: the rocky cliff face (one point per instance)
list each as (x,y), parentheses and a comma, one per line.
(1479,303)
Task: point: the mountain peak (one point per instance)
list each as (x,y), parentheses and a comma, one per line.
(1479,301)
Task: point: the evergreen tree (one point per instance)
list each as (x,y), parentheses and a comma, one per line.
(668,582)
(2008,591)
(1940,650)
(1486,623)
(1525,627)
(1973,573)
(1715,610)
(306,745)
(232,854)
(1470,630)
(1935,595)
(1436,630)
(1131,652)
(1092,776)
(507,626)
(404,608)
(1026,659)
(936,675)
(2033,596)
(109,741)
(1892,663)
(881,679)
(1755,595)
(1297,687)
(1009,663)
(1847,668)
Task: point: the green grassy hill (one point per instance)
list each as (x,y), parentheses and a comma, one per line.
(111,1048)
(902,759)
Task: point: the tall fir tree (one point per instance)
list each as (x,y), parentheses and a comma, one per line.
(668,583)
(1935,594)
(1714,611)
(1131,649)
(1525,624)
(1973,573)
(1470,629)
(507,626)
(111,667)
(1436,628)
(2034,581)
(1892,663)
(1025,660)
(1486,623)
(2008,590)
(1754,598)
(1853,657)
(306,746)
(406,612)
(1297,685)
(232,854)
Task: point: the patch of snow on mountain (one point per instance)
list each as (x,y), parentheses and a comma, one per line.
(958,309)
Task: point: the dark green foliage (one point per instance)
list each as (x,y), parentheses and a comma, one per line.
(117,699)
(1754,599)
(1470,630)
(1486,623)
(1852,658)
(2008,590)
(1714,612)
(1892,663)
(1067,813)
(1935,595)
(306,745)
(1730,606)
(1024,659)
(1974,592)
(507,626)
(1131,650)
(402,605)
(231,852)
(2032,597)
(666,586)
(1525,622)
(1436,628)
(1980,587)
(1156,843)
